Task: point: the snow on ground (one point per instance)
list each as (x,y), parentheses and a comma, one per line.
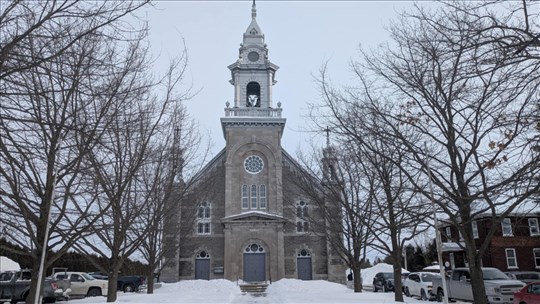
(369,273)
(7,264)
(287,291)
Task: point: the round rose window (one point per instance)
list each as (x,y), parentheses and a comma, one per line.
(253,164)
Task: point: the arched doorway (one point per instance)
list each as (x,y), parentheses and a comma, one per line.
(202,266)
(254,263)
(303,265)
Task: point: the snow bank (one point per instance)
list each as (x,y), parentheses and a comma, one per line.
(369,273)
(7,264)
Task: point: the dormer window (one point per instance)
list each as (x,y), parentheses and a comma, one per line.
(253,95)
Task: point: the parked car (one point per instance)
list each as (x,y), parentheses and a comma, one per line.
(383,281)
(15,287)
(83,284)
(499,288)
(124,283)
(530,294)
(419,284)
(524,276)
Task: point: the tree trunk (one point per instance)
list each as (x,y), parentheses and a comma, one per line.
(113,280)
(357,280)
(398,290)
(150,279)
(477,278)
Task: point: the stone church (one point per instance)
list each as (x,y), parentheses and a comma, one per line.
(243,218)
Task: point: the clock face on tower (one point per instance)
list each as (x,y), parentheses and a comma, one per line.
(253,56)
(253,164)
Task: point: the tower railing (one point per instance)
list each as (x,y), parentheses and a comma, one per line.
(253,112)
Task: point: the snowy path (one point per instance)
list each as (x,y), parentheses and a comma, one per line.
(286,291)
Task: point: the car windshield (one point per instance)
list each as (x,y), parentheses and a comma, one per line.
(428,277)
(87,276)
(494,274)
(388,275)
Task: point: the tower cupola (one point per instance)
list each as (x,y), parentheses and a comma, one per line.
(253,74)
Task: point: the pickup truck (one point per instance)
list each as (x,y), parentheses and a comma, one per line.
(83,284)
(15,286)
(124,283)
(499,288)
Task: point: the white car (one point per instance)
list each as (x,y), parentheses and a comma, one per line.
(83,284)
(419,284)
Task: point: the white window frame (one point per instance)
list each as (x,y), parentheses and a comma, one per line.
(533,226)
(244,193)
(204,222)
(536,256)
(506,224)
(262,196)
(474,225)
(448,232)
(253,196)
(508,258)
(302,225)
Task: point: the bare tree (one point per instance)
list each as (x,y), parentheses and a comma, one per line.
(163,180)
(396,210)
(115,167)
(56,87)
(25,24)
(463,88)
(334,185)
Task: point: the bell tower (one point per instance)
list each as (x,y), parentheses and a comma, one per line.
(253,74)
(253,223)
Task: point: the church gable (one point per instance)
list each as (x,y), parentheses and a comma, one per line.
(253,216)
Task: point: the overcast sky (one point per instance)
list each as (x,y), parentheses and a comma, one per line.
(300,35)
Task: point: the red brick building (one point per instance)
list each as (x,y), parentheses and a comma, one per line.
(514,246)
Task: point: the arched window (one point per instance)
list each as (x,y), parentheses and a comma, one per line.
(245,197)
(254,248)
(204,218)
(302,224)
(204,211)
(253,94)
(253,196)
(262,196)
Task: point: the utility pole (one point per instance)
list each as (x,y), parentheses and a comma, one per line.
(437,232)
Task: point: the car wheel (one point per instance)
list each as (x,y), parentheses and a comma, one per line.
(375,288)
(94,292)
(407,292)
(128,288)
(440,295)
(423,295)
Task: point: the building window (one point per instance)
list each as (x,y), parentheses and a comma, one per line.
(203,228)
(245,197)
(302,225)
(203,218)
(253,196)
(449,234)
(511,259)
(533,226)
(506,227)
(536,253)
(474,229)
(262,196)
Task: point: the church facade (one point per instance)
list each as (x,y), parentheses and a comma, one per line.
(243,218)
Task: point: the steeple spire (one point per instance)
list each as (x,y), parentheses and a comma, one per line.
(253,10)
